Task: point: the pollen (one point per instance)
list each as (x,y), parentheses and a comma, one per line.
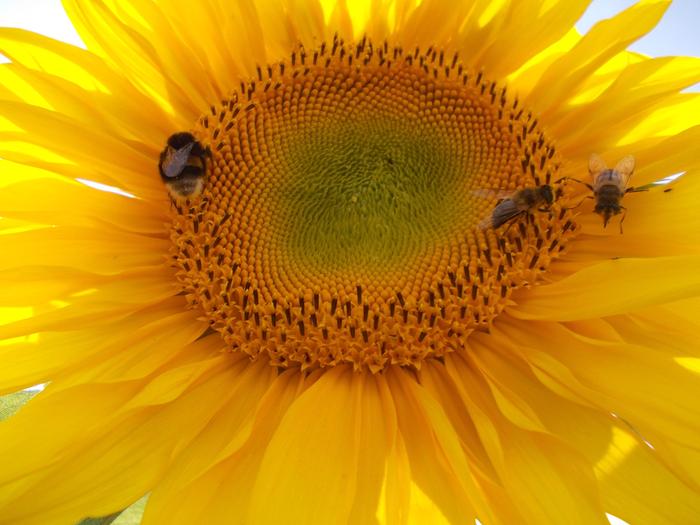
(341,210)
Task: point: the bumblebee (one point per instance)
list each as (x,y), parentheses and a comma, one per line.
(519,203)
(183,165)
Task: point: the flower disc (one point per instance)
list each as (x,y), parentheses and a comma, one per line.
(341,219)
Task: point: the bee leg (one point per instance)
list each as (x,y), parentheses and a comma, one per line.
(512,221)
(548,210)
(173,203)
(529,219)
(206,202)
(637,190)
(579,204)
(577,180)
(624,214)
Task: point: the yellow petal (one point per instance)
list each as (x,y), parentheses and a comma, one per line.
(436,23)
(438,464)
(122,43)
(639,489)
(530,464)
(112,465)
(121,103)
(316,451)
(530,27)
(85,249)
(667,120)
(214,477)
(637,92)
(396,503)
(86,146)
(116,116)
(433,376)
(607,374)
(597,291)
(600,44)
(52,355)
(171,48)
(57,58)
(148,349)
(504,381)
(634,484)
(79,205)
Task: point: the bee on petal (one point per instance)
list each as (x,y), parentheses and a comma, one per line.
(610,185)
(182,165)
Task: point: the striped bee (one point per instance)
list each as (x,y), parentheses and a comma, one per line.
(182,165)
(519,203)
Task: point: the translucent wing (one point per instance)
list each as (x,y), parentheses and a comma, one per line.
(596,165)
(501,214)
(176,160)
(625,168)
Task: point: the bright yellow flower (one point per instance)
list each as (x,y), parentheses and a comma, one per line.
(332,332)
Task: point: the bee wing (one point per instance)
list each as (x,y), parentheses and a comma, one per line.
(486,223)
(176,160)
(502,213)
(596,165)
(625,168)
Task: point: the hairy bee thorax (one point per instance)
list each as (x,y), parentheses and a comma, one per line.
(338,222)
(609,178)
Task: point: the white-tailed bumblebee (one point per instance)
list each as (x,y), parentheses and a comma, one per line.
(183,165)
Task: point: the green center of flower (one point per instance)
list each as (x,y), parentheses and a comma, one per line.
(344,208)
(367,194)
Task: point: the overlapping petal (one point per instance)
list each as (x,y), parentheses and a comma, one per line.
(579,400)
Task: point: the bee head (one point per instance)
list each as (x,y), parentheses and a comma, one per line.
(180,140)
(177,141)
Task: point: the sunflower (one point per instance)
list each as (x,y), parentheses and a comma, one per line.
(325,321)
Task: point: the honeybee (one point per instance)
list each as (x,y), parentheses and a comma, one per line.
(610,185)
(521,202)
(182,165)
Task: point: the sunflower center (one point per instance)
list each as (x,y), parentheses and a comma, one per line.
(344,208)
(365,193)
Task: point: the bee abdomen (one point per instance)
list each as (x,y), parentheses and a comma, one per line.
(186,185)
